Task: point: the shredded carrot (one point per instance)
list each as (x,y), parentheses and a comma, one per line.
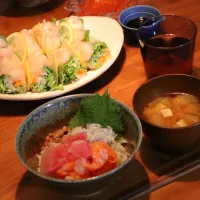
(104,58)
(33,80)
(18,83)
(82,72)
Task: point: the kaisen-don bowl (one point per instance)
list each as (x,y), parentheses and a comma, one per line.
(65,108)
(170,140)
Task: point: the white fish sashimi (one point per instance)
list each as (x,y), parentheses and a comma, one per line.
(52,36)
(62,56)
(76,22)
(37,62)
(13,67)
(79,36)
(36,57)
(51,29)
(47,35)
(2,43)
(33,47)
(52,43)
(85,49)
(6,51)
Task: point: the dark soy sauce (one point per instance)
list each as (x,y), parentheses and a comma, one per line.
(136,22)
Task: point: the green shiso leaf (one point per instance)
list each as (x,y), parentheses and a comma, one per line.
(101,110)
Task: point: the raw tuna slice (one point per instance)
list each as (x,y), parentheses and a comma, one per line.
(72,147)
(80,149)
(69,139)
(53,158)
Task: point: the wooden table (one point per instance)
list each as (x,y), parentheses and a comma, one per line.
(122,79)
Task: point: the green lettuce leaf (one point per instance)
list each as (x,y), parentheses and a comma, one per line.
(6,86)
(68,71)
(20,89)
(102,110)
(48,81)
(63,20)
(87,36)
(99,49)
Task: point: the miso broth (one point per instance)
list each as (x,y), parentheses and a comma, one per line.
(173,110)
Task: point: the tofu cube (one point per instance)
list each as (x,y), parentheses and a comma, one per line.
(166,112)
(181,123)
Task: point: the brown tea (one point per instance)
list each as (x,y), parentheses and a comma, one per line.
(167,54)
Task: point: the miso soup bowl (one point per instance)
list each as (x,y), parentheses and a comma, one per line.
(170,140)
(64,108)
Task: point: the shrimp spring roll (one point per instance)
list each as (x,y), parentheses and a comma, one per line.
(47,35)
(95,54)
(70,67)
(72,29)
(42,74)
(67,63)
(100,56)
(12,70)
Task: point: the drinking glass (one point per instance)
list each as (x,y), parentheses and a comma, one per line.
(167,44)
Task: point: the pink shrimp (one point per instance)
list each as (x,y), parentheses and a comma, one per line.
(67,172)
(101,154)
(65,169)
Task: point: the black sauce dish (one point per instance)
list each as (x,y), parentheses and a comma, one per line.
(169,140)
(131,19)
(64,108)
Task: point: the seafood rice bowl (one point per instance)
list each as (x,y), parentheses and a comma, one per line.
(80,152)
(79,140)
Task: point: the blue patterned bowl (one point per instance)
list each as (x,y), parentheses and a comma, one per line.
(61,109)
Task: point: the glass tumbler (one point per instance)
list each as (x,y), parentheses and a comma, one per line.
(167,44)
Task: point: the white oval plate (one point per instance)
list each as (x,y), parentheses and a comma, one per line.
(101,28)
